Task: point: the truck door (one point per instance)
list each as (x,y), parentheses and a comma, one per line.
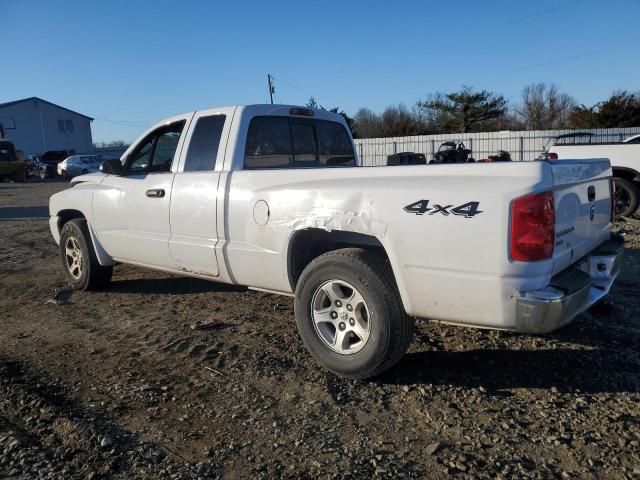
(131,211)
(193,211)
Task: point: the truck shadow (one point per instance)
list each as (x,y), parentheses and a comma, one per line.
(16,213)
(171,285)
(607,369)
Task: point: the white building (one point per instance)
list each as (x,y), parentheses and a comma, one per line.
(36,126)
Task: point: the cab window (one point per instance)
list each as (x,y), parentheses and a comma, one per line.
(291,142)
(156,153)
(204,143)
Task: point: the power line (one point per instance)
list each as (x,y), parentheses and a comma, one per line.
(553,62)
(128,123)
(293,86)
(543,12)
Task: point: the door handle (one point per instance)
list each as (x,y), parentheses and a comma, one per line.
(155,193)
(591,193)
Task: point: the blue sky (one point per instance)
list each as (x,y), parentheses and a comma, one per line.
(132,63)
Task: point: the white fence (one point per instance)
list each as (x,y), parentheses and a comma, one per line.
(524,145)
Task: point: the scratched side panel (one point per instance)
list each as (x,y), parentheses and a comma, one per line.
(447,266)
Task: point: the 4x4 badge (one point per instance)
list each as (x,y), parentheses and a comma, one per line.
(467,210)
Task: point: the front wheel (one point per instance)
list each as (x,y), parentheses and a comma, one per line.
(626,198)
(20,175)
(79,261)
(349,313)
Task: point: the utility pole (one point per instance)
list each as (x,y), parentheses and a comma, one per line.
(272,89)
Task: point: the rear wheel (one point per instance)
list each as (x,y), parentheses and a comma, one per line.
(626,197)
(349,313)
(79,261)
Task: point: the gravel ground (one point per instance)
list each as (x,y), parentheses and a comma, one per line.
(167,377)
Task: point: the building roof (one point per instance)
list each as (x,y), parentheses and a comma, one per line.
(6,104)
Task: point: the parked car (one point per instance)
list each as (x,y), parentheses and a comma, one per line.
(632,139)
(625,162)
(12,164)
(273,197)
(79,165)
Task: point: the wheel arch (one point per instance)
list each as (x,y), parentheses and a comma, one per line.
(69,214)
(627,173)
(308,244)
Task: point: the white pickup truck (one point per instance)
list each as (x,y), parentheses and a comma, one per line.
(625,163)
(274,198)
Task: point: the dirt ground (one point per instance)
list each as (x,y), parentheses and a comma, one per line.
(167,377)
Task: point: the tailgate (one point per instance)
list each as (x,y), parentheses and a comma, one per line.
(583,208)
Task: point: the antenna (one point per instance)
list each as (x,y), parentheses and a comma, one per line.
(272,89)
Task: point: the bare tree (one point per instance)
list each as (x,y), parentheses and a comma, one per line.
(113,143)
(543,107)
(367,124)
(398,121)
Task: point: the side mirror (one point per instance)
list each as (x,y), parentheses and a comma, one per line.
(112,166)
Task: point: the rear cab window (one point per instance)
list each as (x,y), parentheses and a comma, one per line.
(292,142)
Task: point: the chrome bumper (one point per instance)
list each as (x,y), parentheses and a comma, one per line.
(570,292)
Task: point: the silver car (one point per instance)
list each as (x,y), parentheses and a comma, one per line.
(79,165)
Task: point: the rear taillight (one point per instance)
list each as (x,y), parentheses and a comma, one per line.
(532,227)
(612,193)
(552,156)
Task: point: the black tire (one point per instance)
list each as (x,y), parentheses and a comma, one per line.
(86,273)
(20,176)
(390,329)
(64,175)
(626,198)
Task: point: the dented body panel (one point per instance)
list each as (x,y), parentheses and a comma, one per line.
(445,228)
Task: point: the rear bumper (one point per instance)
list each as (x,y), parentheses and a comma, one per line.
(572,291)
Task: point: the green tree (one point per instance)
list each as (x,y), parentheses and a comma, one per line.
(620,110)
(463,111)
(313,103)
